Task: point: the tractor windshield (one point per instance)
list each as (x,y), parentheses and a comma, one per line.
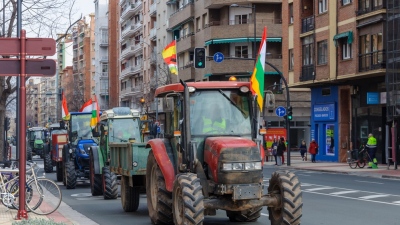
(80,126)
(122,129)
(37,135)
(220,112)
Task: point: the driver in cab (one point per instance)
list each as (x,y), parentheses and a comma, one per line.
(213,123)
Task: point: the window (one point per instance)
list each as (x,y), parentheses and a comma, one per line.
(346,49)
(308,49)
(291,59)
(291,13)
(241,19)
(104,67)
(346,2)
(323,6)
(322,52)
(241,51)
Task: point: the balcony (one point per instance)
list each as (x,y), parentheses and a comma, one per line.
(372,61)
(80,57)
(74,59)
(104,59)
(104,74)
(367,6)
(130,70)
(131,30)
(81,44)
(131,10)
(137,88)
(307,24)
(103,91)
(186,42)
(153,10)
(75,46)
(153,33)
(103,42)
(153,58)
(221,3)
(130,51)
(307,73)
(181,15)
(187,72)
(233,29)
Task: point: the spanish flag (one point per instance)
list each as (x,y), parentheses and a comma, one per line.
(169,56)
(65,113)
(257,78)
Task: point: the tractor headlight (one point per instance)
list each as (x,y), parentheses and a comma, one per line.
(240,166)
(237,166)
(252,166)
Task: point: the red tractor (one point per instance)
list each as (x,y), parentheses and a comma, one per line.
(211,158)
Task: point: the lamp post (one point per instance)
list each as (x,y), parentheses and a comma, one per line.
(253,7)
(156,77)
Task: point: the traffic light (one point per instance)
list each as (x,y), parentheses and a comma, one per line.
(7,123)
(289,113)
(199,58)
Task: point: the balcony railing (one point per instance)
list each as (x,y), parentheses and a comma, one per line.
(307,24)
(366,6)
(372,61)
(153,9)
(153,32)
(307,73)
(191,2)
(137,88)
(104,74)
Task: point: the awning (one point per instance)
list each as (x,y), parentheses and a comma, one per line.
(348,35)
(238,40)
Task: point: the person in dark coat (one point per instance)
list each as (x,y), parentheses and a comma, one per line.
(303,150)
(313,150)
(281,148)
(274,148)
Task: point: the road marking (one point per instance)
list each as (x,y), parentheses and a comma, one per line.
(396,202)
(373,196)
(318,189)
(343,192)
(370,182)
(264,214)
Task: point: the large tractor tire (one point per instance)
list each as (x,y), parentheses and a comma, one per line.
(129,196)
(187,200)
(70,175)
(159,200)
(250,215)
(287,186)
(48,165)
(110,190)
(59,171)
(96,182)
(29,153)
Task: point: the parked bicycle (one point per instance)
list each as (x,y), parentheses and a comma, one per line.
(358,157)
(43,196)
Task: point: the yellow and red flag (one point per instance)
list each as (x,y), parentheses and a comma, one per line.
(169,56)
(257,78)
(65,113)
(95,113)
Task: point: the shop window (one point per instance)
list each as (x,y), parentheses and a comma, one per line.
(330,147)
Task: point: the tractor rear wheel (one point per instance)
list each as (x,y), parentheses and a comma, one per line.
(129,196)
(29,153)
(110,190)
(96,182)
(70,175)
(287,185)
(250,215)
(59,171)
(48,165)
(187,200)
(159,200)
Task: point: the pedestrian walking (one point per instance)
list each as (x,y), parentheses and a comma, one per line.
(274,148)
(303,150)
(371,145)
(279,151)
(313,149)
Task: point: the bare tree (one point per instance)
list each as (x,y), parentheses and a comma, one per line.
(44,18)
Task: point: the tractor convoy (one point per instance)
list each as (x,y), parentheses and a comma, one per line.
(209,158)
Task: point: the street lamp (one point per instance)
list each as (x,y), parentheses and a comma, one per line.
(155,100)
(253,7)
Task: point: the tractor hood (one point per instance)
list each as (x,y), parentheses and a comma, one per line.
(225,150)
(38,143)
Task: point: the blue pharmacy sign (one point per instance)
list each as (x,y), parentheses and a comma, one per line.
(324,112)
(373,98)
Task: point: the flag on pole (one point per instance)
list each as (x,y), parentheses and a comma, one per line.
(87,107)
(169,56)
(95,113)
(65,113)
(257,78)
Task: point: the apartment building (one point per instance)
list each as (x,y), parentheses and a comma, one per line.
(32,103)
(47,101)
(131,53)
(336,48)
(64,61)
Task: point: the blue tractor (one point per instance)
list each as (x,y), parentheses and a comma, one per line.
(75,154)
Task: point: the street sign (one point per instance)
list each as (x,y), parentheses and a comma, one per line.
(34,67)
(34,46)
(218,57)
(280,111)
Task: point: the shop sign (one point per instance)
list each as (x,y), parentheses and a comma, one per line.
(324,112)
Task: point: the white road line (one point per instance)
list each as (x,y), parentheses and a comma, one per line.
(396,202)
(306,185)
(318,189)
(370,182)
(264,214)
(343,192)
(373,196)
(367,200)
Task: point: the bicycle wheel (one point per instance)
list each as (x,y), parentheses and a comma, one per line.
(353,164)
(46,196)
(14,190)
(361,163)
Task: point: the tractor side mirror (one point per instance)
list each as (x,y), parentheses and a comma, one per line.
(95,133)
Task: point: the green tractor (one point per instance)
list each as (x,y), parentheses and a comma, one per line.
(36,142)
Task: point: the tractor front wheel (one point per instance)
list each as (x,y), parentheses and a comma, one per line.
(187,200)
(96,182)
(110,190)
(59,171)
(159,200)
(129,196)
(48,165)
(287,186)
(70,175)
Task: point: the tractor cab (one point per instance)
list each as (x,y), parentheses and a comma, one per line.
(36,138)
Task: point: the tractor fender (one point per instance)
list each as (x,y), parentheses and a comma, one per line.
(96,161)
(164,162)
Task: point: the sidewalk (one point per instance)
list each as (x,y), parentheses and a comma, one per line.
(344,168)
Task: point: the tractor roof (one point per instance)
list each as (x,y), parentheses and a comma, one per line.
(178,87)
(36,128)
(119,112)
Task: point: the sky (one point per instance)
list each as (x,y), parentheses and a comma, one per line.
(84,6)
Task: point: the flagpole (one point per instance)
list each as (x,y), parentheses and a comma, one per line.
(177,59)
